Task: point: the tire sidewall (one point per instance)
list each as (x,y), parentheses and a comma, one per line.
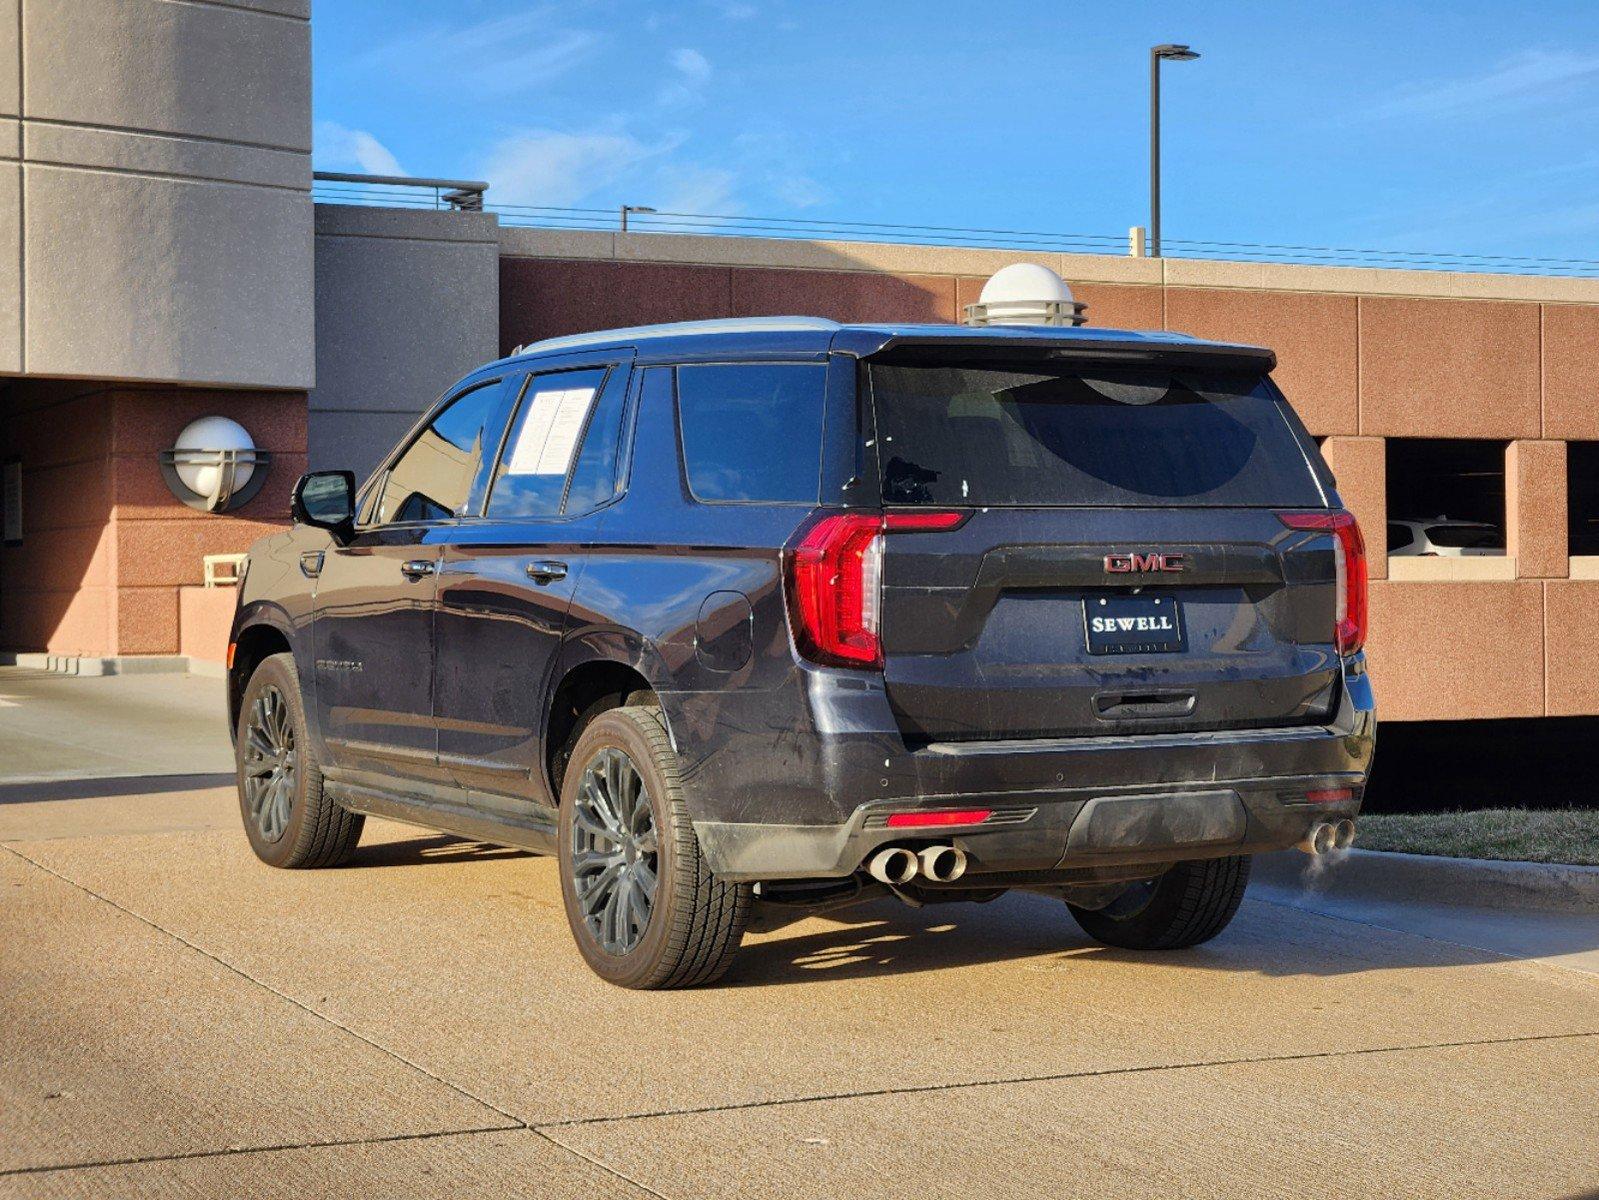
(277,670)
(615,730)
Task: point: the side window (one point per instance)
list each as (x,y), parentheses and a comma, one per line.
(1398,536)
(594,478)
(530,478)
(752,431)
(431,480)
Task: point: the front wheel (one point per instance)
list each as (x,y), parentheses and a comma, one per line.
(645,910)
(1189,904)
(289,819)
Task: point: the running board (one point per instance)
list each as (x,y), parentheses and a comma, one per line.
(535,831)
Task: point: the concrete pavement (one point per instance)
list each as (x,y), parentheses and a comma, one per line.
(182,1020)
(177,1019)
(65,727)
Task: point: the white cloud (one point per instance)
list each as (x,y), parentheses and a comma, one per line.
(694,65)
(548,167)
(796,190)
(339,148)
(500,55)
(695,189)
(1531,77)
(693,71)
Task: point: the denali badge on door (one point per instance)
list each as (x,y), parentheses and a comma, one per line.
(1133,624)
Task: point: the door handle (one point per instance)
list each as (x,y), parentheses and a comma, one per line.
(416,568)
(311,563)
(546,571)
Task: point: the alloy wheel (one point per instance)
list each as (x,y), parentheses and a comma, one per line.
(615,851)
(270,763)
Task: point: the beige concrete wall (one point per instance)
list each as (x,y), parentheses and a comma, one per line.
(406,303)
(155,173)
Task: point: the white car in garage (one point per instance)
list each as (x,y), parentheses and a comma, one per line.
(1442,537)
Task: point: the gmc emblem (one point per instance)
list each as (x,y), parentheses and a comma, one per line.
(1123,564)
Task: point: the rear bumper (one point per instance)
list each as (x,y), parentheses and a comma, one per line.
(1071,805)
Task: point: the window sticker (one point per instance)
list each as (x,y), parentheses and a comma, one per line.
(549,434)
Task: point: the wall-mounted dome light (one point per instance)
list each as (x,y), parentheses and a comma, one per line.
(1026,294)
(214,465)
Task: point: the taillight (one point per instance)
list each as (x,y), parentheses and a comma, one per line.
(835,578)
(1349,557)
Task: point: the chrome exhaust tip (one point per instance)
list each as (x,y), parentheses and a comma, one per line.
(893,865)
(943,864)
(1344,834)
(1322,838)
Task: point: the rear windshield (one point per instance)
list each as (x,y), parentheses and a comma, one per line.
(1084,435)
(1466,537)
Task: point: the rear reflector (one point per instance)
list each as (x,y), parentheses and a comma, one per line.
(910,820)
(1330,795)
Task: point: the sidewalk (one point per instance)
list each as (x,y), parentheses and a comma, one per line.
(66,727)
(1391,892)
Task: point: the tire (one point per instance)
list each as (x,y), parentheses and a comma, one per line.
(298,825)
(628,834)
(1189,904)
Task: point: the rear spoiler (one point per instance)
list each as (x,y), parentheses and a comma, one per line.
(1015,343)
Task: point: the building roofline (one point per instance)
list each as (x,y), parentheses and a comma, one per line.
(808,254)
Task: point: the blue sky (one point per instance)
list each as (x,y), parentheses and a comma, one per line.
(1465,127)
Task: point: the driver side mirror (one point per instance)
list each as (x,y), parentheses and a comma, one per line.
(326,500)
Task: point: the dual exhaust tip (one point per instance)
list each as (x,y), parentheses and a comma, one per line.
(897,865)
(1327,836)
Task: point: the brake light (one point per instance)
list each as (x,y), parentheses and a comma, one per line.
(835,577)
(912,820)
(1349,557)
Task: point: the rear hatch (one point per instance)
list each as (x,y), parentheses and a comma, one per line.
(1121,566)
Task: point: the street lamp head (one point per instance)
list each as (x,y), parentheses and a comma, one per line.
(1175,52)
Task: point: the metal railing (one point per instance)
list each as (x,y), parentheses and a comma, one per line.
(402,191)
(339,188)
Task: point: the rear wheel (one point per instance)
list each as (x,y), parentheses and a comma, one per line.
(289,820)
(1189,904)
(645,910)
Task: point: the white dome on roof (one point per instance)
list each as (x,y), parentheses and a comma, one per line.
(1026,283)
(1025,294)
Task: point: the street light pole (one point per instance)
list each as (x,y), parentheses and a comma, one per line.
(1176,53)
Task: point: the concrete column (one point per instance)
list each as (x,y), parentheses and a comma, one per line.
(407,301)
(1535,509)
(1360,463)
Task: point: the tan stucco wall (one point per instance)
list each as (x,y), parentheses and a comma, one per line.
(1365,354)
(155,174)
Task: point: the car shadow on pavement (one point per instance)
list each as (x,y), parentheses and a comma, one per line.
(120,785)
(876,939)
(422,851)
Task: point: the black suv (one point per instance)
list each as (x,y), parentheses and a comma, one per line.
(766,617)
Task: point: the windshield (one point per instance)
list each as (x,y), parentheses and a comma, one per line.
(1037,435)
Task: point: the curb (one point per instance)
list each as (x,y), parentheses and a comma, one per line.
(1432,879)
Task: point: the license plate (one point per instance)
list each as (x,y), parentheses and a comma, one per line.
(1143,624)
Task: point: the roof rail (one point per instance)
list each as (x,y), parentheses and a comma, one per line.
(604,337)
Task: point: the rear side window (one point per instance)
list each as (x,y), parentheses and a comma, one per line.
(1034,436)
(752,432)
